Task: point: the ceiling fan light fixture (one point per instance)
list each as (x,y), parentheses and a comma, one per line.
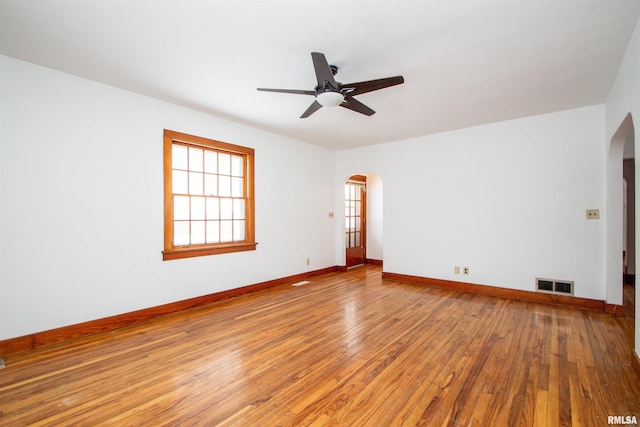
(330,93)
(330,99)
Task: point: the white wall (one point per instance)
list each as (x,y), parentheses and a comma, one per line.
(507,200)
(375,211)
(81,230)
(622,108)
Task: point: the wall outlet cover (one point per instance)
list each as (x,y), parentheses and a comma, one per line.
(593,213)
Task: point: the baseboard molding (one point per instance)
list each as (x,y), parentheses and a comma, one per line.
(635,362)
(65,333)
(616,310)
(374,261)
(584,303)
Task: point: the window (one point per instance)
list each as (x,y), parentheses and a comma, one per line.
(353,212)
(208,197)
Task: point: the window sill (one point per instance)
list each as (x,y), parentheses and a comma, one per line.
(209,250)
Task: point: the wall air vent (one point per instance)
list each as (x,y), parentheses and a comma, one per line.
(563,287)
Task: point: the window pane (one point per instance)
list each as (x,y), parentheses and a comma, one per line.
(224,188)
(179,157)
(357,210)
(210,161)
(180,182)
(226,231)
(357,227)
(210,184)
(346,223)
(195,159)
(224,164)
(213,208)
(181,207)
(357,239)
(238,209)
(226,209)
(346,240)
(180,233)
(208,198)
(356,189)
(352,240)
(238,230)
(197,208)
(195,183)
(236,166)
(213,232)
(236,187)
(197,232)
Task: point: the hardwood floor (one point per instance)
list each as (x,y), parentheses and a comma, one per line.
(346,349)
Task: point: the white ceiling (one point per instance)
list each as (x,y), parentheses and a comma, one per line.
(464,62)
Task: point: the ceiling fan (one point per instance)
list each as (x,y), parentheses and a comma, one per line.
(330,93)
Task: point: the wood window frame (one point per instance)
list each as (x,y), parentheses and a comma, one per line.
(193,250)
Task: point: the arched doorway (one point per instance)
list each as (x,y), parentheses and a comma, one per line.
(355,220)
(622,141)
(363,219)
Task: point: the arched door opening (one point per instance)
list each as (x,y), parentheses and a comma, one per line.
(363,219)
(621,242)
(355,220)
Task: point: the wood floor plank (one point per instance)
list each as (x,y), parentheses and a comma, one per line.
(348,348)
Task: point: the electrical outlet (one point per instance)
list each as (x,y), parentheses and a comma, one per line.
(456,269)
(465,270)
(593,213)
(308,261)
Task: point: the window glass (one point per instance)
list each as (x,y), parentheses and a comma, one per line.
(209,201)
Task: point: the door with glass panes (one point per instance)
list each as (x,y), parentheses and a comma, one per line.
(355,219)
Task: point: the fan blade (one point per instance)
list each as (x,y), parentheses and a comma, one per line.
(312,109)
(355,105)
(323,72)
(371,85)
(296,91)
